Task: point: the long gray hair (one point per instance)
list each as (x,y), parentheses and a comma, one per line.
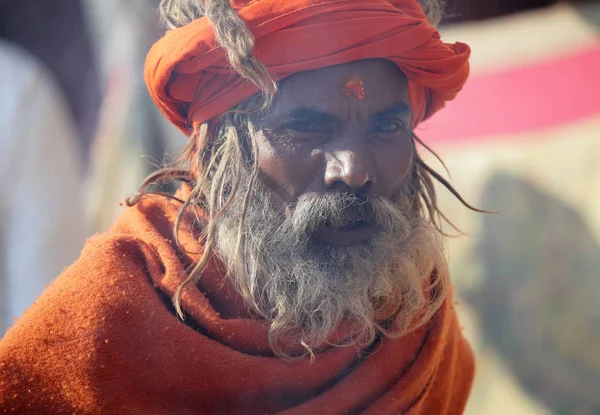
(231,152)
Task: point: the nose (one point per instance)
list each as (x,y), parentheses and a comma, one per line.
(350,168)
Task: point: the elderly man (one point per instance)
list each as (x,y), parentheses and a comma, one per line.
(299,268)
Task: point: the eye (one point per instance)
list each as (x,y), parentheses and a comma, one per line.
(304,127)
(388,127)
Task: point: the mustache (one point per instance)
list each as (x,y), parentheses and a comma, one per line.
(336,210)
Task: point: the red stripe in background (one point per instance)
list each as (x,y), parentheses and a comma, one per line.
(546,94)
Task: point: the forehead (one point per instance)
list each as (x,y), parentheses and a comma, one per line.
(380,84)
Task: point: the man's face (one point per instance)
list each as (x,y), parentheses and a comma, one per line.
(339,129)
(327,234)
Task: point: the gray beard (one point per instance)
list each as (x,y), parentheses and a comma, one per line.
(305,288)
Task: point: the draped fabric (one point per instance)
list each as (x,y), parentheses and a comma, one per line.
(191,81)
(104,339)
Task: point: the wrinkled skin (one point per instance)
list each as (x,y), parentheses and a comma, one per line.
(318,139)
(328,239)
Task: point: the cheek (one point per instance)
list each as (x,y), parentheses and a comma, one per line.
(395,161)
(286,170)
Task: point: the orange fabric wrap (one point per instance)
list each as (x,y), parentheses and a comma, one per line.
(191,81)
(103,339)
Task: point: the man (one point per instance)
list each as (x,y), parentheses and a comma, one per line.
(300,255)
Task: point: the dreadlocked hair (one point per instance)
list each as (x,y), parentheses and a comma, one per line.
(178,13)
(230,143)
(231,33)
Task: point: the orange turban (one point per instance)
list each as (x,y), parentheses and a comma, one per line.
(190,79)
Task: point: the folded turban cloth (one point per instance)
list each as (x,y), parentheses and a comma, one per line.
(190,79)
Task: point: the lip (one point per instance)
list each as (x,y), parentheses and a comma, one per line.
(346,236)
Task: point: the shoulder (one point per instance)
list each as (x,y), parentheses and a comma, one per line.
(109,264)
(115,270)
(60,343)
(154,218)
(77,338)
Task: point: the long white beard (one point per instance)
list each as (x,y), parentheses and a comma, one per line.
(306,288)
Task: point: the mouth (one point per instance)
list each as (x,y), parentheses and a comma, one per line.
(356,232)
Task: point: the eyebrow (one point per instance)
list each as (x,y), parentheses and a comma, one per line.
(398,109)
(312,114)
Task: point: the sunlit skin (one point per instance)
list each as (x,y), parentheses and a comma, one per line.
(317,139)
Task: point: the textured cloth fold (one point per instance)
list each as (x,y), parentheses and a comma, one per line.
(190,80)
(103,339)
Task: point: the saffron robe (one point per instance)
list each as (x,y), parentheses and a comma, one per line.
(103,339)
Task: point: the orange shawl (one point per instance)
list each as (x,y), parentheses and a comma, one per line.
(103,339)
(190,80)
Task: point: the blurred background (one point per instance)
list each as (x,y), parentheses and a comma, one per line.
(78,133)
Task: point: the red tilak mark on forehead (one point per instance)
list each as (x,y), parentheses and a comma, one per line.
(355,89)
